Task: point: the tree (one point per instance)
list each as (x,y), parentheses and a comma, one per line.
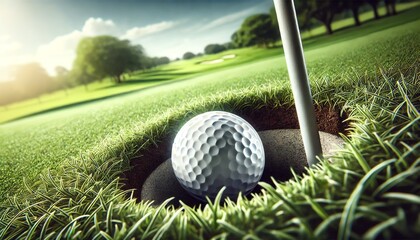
(324,11)
(274,21)
(390,7)
(104,56)
(374,5)
(62,78)
(239,39)
(302,8)
(163,60)
(80,75)
(188,55)
(214,48)
(148,63)
(303,12)
(256,30)
(9,93)
(151,62)
(353,6)
(61,71)
(227,45)
(32,80)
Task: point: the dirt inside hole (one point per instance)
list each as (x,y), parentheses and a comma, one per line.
(329,120)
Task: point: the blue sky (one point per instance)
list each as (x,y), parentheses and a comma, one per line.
(47,31)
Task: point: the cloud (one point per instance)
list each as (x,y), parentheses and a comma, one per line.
(58,52)
(61,50)
(7,45)
(98,26)
(233,17)
(10,54)
(138,32)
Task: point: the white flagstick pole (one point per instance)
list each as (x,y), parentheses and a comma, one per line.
(292,45)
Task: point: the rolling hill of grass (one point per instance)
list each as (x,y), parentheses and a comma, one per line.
(373,76)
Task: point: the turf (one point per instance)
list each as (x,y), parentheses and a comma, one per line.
(33,144)
(91,144)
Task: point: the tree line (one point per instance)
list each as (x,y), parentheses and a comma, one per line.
(262,29)
(96,58)
(324,11)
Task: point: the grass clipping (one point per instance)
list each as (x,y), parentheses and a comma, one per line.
(367,190)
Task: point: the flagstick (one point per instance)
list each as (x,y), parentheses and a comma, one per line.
(292,45)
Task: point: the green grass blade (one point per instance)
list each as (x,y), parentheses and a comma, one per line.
(327,223)
(162,230)
(67,227)
(347,217)
(408,197)
(376,230)
(317,208)
(360,159)
(393,181)
(231,229)
(34,228)
(133,229)
(155,215)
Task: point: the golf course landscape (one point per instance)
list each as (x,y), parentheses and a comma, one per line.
(64,156)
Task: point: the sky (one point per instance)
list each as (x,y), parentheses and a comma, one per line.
(48,31)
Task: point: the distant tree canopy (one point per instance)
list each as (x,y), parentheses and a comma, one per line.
(163,60)
(228,45)
(324,11)
(32,79)
(258,29)
(106,56)
(274,21)
(353,6)
(62,78)
(29,80)
(302,8)
(390,7)
(214,48)
(374,5)
(151,62)
(188,55)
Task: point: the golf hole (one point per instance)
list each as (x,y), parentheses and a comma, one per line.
(152,178)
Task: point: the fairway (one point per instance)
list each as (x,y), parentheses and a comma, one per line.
(186,69)
(84,134)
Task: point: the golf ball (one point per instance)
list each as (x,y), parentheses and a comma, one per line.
(217,149)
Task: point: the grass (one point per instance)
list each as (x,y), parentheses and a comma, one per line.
(337,199)
(187,69)
(368,190)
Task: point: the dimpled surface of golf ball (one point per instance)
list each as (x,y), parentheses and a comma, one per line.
(217,149)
